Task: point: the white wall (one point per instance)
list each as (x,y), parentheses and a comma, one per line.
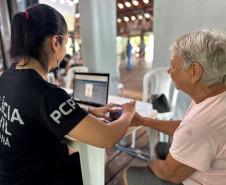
(174,18)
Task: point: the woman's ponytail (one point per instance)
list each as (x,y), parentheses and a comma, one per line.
(21,38)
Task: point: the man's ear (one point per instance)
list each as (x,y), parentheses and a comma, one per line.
(196,70)
(54,43)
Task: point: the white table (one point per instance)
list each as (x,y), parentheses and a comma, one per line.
(92,158)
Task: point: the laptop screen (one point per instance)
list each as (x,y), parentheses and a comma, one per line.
(91,88)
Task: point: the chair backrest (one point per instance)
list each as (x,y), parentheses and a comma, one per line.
(70,73)
(162,84)
(161,80)
(51,78)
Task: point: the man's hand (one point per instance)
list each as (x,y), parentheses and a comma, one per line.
(137,120)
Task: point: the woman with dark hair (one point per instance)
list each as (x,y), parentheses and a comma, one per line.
(35,115)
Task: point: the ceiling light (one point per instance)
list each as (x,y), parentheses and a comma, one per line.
(146,1)
(77,15)
(120,5)
(118,38)
(135,2)
(128,4)
(75,1)
(126,19)
(133,18)
(62,1)
(147,15)
(140,17)
(70,3)
(119,20)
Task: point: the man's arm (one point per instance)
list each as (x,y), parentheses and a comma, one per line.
(170,169)
(165,126)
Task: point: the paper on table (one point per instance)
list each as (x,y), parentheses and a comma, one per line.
(143,108)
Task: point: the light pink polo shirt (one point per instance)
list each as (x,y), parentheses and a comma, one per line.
(200,141)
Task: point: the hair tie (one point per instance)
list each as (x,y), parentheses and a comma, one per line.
(26,14)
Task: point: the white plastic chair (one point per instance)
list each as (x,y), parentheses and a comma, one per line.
(162,84)
(51,78)
(69,76)
(121,87)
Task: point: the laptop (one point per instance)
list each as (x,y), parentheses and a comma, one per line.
(91,89)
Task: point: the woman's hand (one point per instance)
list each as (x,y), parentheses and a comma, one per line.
(101,111)
(129,108)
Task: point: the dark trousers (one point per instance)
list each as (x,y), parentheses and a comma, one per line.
(67,169)
(162,150)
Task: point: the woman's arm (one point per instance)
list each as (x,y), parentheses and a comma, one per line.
(97,133)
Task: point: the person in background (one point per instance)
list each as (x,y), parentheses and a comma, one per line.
(60,70)
(80,62)
(36,115)
(65,61)
(142,51)
(198,151)
(74,61)
(129,54)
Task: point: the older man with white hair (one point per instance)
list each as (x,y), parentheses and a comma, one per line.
(197,154)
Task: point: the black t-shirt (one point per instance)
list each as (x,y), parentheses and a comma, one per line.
(34,116)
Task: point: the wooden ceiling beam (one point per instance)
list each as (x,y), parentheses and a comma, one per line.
(150,9)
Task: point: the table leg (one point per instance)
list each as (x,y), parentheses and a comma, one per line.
(92,164)
(153,140)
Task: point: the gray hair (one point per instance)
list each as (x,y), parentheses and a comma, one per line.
(208,48)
